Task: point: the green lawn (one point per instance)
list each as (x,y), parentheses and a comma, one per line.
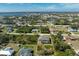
(44,30)
(25,29)
(45,50)
(26,39)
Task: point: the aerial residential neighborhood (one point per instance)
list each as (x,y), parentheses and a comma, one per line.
(35,35)
(28,30)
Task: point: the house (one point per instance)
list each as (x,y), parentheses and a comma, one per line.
(18,23)
(1,26)
(25,52)
(74,37)
(72,30)
(7,51)
(34,30)
(4,53)
(44,39)
(71,37)
(40,22)
(9,28)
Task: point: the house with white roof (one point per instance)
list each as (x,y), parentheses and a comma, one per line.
(7,51)
(34,30)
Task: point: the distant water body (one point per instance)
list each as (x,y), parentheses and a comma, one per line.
(28,13)
(13,14)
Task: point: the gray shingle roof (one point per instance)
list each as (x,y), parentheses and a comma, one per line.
(25,52)
(44,39)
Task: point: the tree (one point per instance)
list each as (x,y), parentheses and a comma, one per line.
(59,35)
(48,51)
(40,46)
(60,47)
(4,38)
(74,26)
(69,52)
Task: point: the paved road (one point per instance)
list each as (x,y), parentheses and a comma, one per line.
(37,25)
(27,34)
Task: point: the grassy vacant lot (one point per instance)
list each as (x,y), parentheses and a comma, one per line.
(45,50)
(28,46)
(28,29)
(44,30)
(19,39)
(25,39)
(25,29)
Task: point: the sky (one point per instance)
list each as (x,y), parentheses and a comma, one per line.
(37,7)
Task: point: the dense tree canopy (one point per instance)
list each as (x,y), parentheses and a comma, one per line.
(60,47)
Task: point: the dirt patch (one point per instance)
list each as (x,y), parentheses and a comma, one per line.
(73,43)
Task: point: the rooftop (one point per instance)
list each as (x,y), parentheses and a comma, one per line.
(25,52)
